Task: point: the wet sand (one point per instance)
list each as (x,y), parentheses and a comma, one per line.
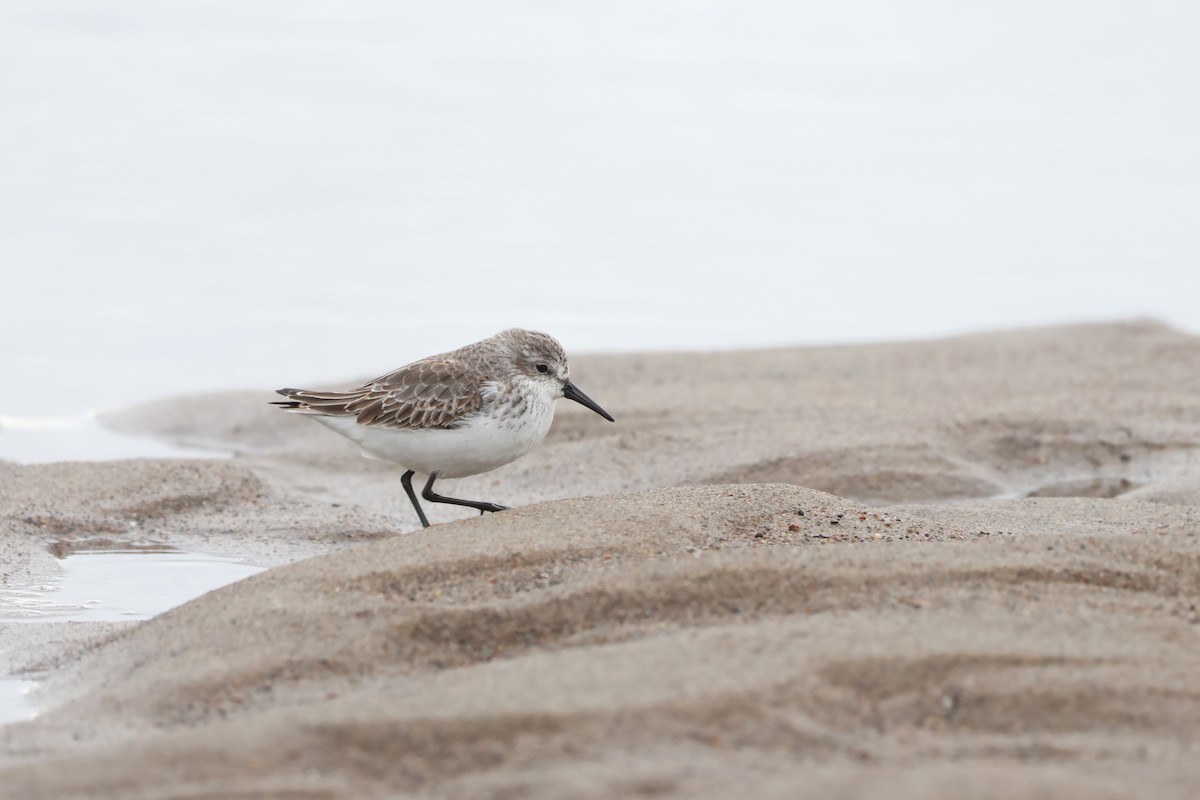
(962,568)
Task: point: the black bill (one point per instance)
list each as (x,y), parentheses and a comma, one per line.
(571,392)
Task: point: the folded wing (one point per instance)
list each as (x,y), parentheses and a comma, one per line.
(434,393)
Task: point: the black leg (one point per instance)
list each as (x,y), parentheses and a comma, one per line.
(428,494)
(406,479)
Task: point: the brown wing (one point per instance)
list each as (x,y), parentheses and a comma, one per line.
(434,393)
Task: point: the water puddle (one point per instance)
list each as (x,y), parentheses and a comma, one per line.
(133,583)
(112,585)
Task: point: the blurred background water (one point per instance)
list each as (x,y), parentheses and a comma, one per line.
(199,196)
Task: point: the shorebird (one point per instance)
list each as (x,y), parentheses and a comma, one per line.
(455,414)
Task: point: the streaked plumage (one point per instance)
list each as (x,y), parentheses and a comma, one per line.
(454,414)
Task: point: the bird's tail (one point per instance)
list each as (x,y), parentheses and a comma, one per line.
(302,401)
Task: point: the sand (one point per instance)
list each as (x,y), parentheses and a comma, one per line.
(962,568)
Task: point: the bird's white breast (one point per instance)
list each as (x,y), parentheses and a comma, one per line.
(485,441)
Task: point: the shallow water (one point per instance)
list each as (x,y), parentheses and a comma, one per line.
(105,586)
(82,438)
(16,701)
(283,195)
(119,585)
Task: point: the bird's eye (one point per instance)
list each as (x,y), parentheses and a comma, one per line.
(543,368)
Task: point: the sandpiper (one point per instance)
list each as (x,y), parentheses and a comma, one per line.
(455,414)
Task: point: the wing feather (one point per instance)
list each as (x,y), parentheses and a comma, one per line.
(433,393)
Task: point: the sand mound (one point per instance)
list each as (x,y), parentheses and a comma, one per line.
(738,636)
(710,625)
